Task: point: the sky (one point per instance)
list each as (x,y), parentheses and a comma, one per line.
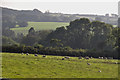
(99,7)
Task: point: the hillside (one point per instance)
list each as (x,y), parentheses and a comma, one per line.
(39,26)
(29,66)
(36,15)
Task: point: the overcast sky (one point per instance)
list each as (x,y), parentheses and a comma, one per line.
(65,6)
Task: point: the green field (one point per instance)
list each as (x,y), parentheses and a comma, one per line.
(39,26)
(114,26)
(29,66)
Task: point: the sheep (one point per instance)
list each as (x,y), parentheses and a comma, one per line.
(80,57)
(88,64)
(104,57)
(116,62)
(91,57)
(27,53)
(22,53)
(100,57)
(44,55)
(62,58)
(36,55)
(86,57)
(110,57)
(99,71)
(67,57)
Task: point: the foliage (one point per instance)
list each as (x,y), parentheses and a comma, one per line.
(82,33)
(33,37)
(8,21)
(58,51)
(6,41)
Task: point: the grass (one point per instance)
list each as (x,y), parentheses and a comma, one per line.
(22,66)
(39,26)
(114,26)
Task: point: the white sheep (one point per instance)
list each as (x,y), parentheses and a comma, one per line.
(116,62)
(22,53)
(27,53)
(100,57)
(99,71)
(105,58)
(86,57)
(36,55)
(91,57)
(44,55)
(67,57)
(110,57)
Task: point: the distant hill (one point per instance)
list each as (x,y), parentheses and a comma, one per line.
(38,16)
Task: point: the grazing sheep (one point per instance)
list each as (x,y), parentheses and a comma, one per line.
(80,57)
(62,58)
(22,53)
(36,55)
(110,57)
(116,62)
(88,64)
(104,57)
(99,71)
(67,57)
(27,53)
(91,57)
(44,55)
(86,57)
(100,57)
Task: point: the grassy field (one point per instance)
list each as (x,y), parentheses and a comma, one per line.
(114,26)
(39,26)
(29,66)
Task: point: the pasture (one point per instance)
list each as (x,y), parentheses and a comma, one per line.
(39,26)
(15,65)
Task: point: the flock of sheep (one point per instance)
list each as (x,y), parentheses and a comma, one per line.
(34,54)
(78,57)
(66,57)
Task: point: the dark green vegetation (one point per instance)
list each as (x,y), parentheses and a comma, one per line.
(93,38)
(39,26)
(29,66)
(82,33)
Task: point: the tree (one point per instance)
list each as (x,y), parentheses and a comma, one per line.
(82,33)
(6,41)
(31,31)
(56,42)
(118,22)
(8,21)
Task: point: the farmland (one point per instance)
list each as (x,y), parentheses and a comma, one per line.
(39,26)
(15,65)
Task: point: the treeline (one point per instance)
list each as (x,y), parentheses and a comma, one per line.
(59,51)
(84,34)
(83,38)
(9,37)
(21,17)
